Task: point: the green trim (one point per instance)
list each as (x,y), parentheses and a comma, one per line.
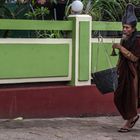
(108,26)
(83,71)
(138,26)
(34,60)
(12,24)
(15,24)
(73,19)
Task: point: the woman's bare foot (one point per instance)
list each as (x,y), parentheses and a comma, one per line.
(126,127)
(128,124)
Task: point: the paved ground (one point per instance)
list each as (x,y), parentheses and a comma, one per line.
(92,128)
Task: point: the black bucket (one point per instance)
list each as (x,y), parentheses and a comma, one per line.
(106,80)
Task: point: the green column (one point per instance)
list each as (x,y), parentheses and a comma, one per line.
(81,50)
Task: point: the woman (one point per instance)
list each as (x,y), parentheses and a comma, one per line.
(126,97)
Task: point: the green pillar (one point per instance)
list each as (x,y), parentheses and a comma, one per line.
(81,50)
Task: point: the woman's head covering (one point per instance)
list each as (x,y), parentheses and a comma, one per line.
(129,15)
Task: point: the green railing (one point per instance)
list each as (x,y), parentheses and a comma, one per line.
(36,59)
(11,24)
(108,26)
(70,59)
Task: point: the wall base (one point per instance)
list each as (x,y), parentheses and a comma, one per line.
(54,101)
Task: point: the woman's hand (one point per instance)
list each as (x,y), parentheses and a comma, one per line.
(116,46)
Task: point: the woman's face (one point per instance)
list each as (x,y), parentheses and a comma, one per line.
(127,30)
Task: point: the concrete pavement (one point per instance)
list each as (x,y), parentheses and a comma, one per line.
(90,128)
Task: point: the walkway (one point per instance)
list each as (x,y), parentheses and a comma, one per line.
(91,128)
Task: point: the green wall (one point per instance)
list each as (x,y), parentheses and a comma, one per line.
(34,60)
(58,59)
(101,56)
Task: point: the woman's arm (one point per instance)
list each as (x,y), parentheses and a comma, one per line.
(129,55)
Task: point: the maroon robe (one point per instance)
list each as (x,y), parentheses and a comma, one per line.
(127,94)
